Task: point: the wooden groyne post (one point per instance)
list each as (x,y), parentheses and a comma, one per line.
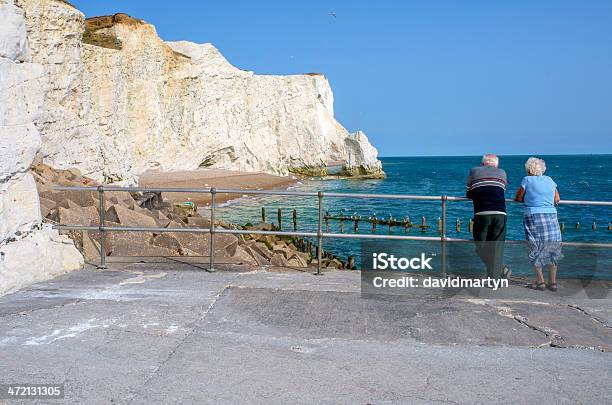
(279,215)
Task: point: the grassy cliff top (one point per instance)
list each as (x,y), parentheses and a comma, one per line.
(105,39)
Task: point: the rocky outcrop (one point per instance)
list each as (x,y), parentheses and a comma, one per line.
(120,101)
(362,159)
(30,251)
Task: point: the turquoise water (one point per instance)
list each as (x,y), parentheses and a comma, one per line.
(579,177)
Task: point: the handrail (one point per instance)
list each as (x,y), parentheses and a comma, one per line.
(301,193)
(319,234)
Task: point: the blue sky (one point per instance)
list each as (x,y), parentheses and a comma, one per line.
(424,77)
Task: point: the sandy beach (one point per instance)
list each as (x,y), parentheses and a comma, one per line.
(205,178)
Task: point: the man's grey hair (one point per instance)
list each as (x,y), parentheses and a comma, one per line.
(535,166)
(490,160)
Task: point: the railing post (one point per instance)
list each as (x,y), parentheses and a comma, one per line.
(443,235)
(102,215)
(211,266)
(320,234)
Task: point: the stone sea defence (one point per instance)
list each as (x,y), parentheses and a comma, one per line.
(30,251)
(120,100)
(132,210)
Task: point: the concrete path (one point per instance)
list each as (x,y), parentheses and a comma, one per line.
(171,333)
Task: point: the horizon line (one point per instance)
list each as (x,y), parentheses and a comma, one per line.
(500,154)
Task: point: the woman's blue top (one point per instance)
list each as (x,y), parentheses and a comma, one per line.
(539,194)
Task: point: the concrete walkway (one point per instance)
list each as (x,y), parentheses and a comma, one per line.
(172,333)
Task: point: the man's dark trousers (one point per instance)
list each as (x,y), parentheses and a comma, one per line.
(490,235)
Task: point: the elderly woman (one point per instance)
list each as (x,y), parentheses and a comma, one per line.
(540,195)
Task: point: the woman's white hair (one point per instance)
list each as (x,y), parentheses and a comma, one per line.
(535,166)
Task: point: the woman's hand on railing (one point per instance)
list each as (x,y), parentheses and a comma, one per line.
(520,195)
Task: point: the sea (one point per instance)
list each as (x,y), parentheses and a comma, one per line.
(579,177)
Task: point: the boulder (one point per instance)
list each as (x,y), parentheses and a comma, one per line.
(46,206)
(198,222)
(80,198)
(225,245)
(288,253)
(242,256)
(297,261)
(262,226)
(335,264)
(268,240)
(304,257)
(168,241)
(261,249)
(89,247)
(241,239)
(176,218)
(230,243)
(121,198)
(259,259)
(161,219)
(136,244)
(87,216)
(279,260)
(174,224)
(66,203)
(126,217)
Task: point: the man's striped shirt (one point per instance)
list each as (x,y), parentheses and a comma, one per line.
(486,186)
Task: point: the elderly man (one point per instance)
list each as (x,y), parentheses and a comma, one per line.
(486,187)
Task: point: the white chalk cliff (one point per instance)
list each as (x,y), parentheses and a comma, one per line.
(119,100)
(30,251)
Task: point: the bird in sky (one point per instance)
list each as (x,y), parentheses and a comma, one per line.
(333,14)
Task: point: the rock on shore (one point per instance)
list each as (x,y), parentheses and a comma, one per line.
(122,209)
(30,251)
(119,100)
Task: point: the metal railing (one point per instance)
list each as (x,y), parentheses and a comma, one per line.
(443,239)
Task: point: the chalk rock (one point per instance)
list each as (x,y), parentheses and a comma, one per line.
(13,37)
(124,101)
(70,132)
(20,104)
(29,250)
(362,156)
(19,207)
(39,256)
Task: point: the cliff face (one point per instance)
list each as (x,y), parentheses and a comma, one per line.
(29,250)
(120,101)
